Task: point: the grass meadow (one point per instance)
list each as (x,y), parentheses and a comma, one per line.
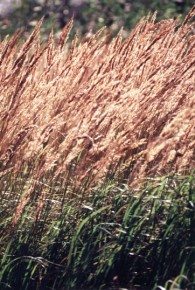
(97,154)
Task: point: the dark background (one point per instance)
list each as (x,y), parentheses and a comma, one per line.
(89,15)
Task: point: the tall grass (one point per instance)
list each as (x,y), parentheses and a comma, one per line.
(83,126)
(99,103)
(112,237)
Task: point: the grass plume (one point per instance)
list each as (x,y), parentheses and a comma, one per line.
(98,103)
(83,126)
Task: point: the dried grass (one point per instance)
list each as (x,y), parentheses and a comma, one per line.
(96,104)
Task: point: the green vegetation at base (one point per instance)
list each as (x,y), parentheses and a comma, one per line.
(108,236)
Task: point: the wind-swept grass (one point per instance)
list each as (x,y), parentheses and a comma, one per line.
(99,103)
(83,126)
(112,236)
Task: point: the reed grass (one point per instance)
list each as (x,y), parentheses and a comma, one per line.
(111,237)
(84,127)
(99,103)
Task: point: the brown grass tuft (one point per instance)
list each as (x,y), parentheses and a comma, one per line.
(100,106)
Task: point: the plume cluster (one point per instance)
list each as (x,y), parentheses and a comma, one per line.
(99,105)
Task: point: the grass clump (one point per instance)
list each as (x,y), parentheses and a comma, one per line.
(80,125)
(111,236)
(94,104)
